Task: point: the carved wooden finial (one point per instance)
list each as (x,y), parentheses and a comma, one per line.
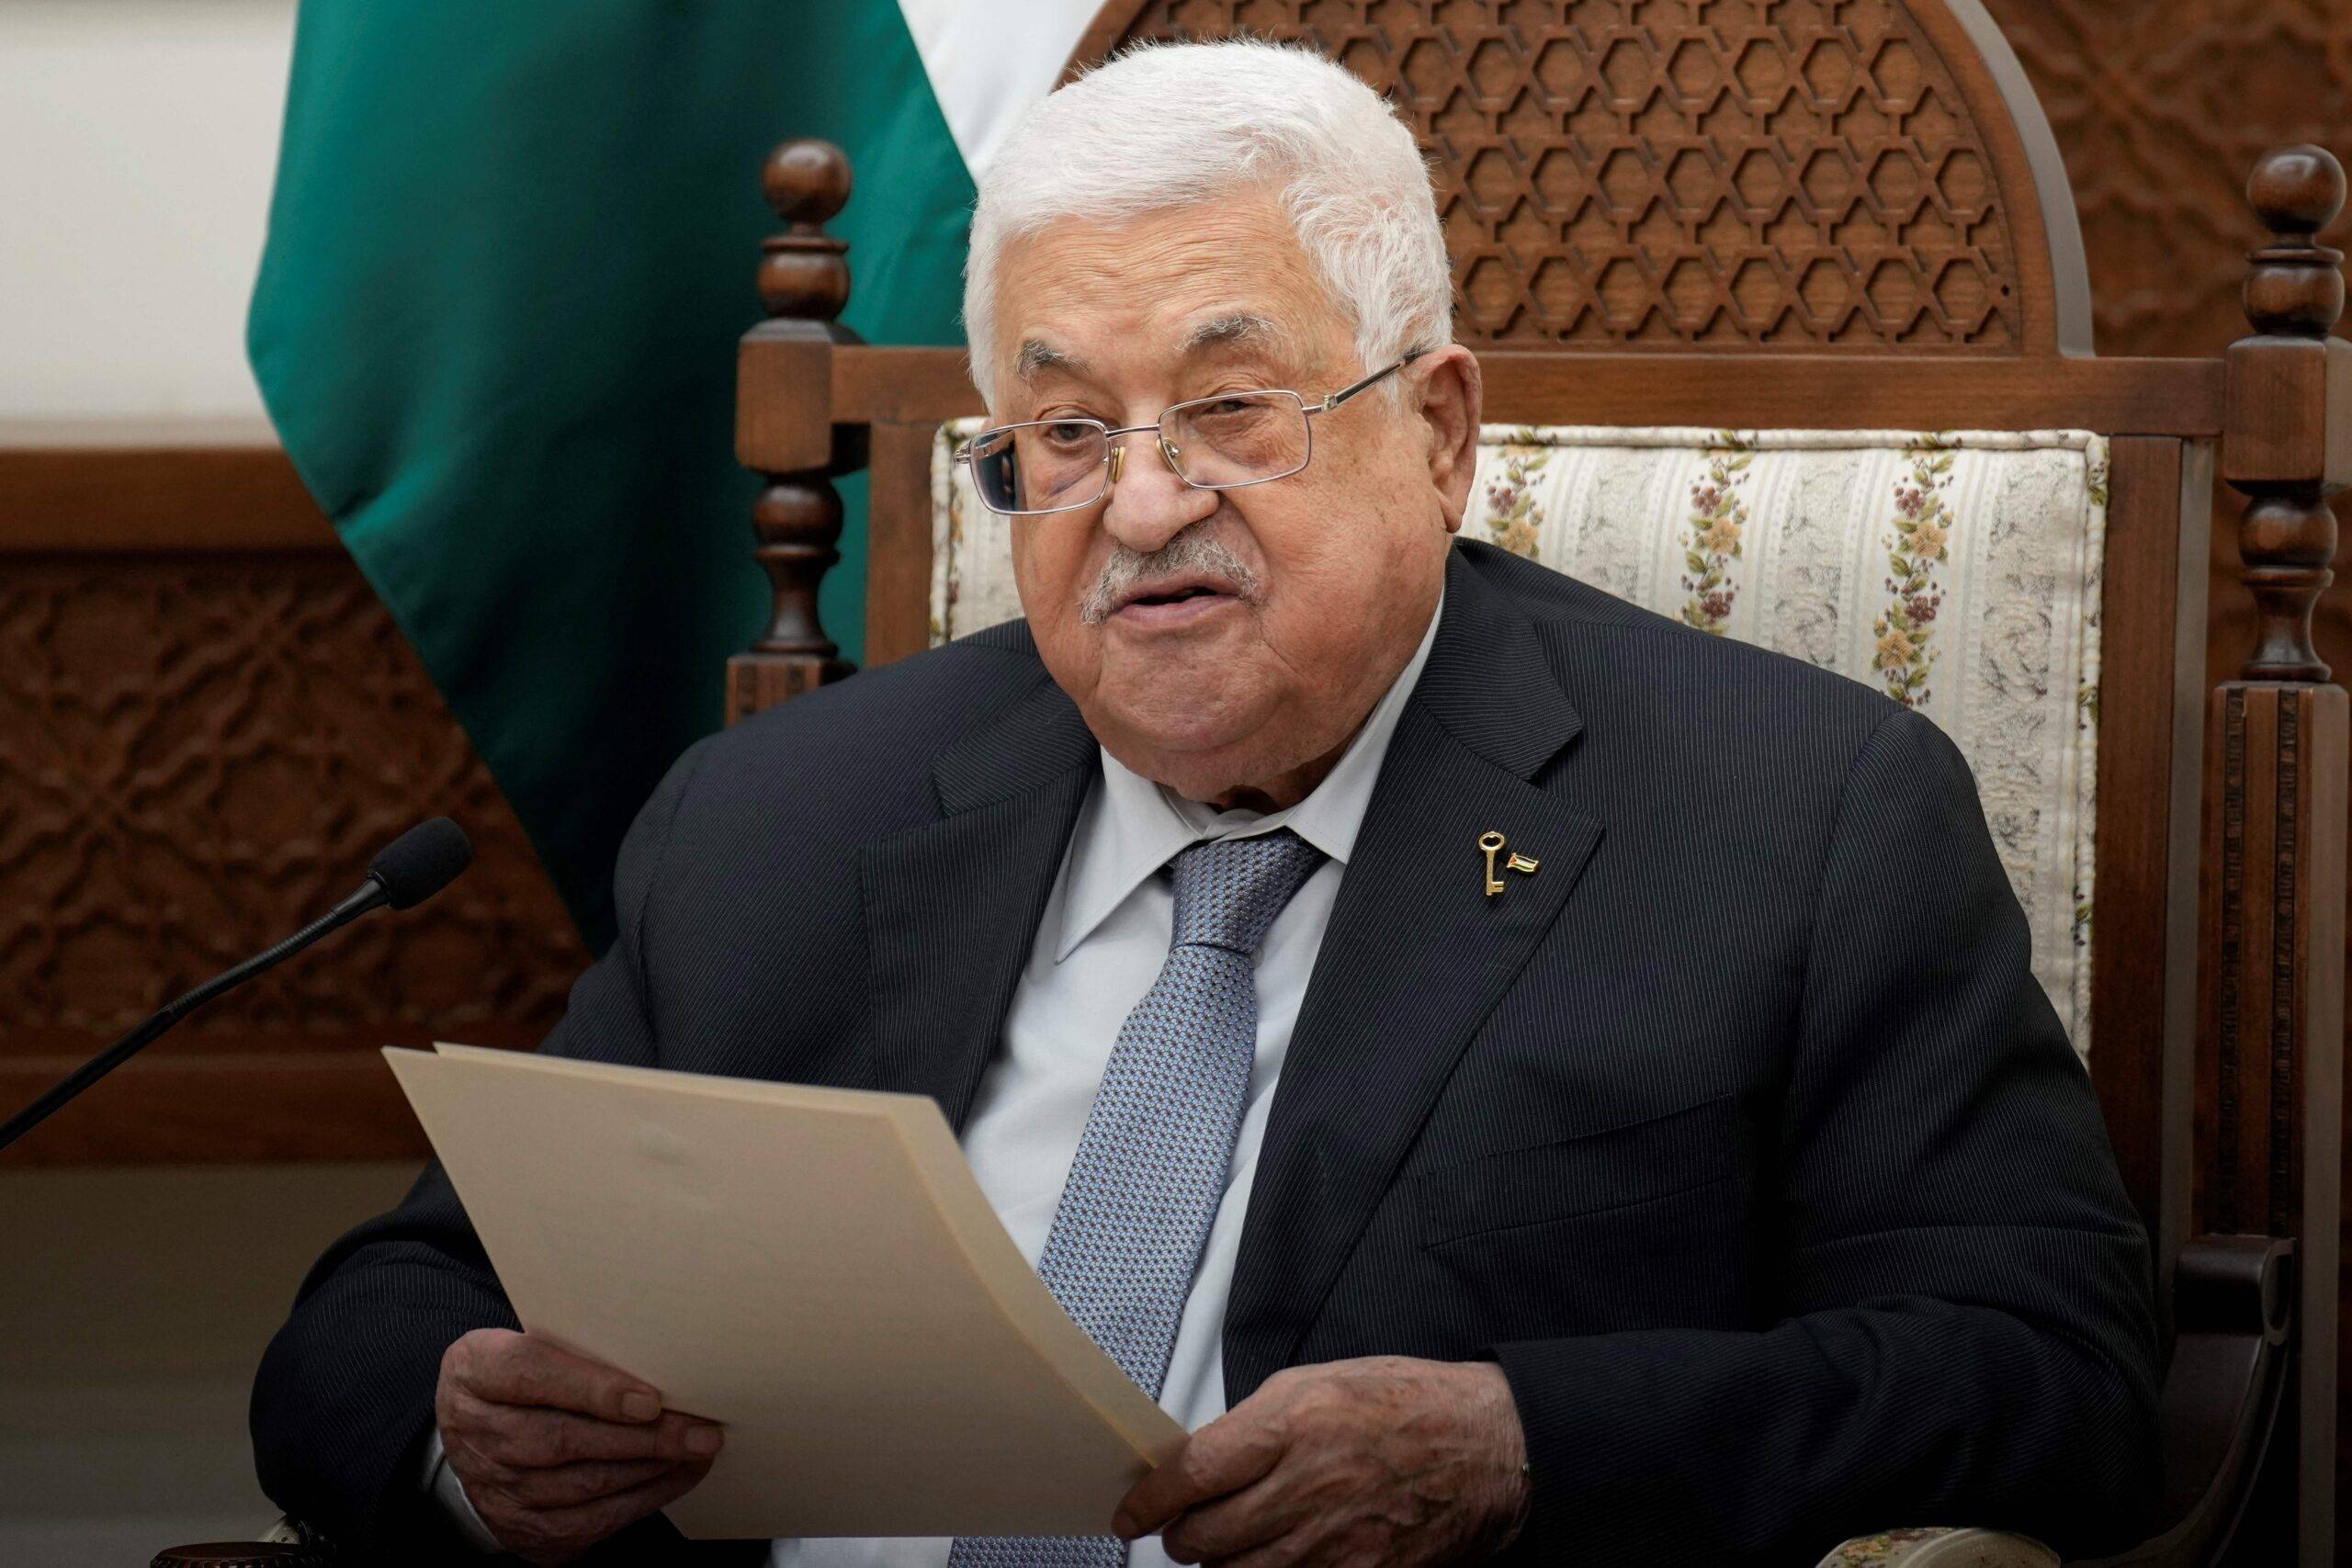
(804,271)
(2286,446)
(797,521)
(2296,286)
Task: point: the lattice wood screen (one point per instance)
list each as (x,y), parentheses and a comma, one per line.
(1736,173)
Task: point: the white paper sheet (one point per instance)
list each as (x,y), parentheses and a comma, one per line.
(814,1267)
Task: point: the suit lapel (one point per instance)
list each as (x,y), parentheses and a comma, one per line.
(1415,957)
(952,908)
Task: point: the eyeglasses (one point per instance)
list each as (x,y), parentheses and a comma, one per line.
(1220,443)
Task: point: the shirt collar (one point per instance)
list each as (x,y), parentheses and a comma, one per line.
(1131,826)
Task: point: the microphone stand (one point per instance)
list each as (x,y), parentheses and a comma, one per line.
(370,895)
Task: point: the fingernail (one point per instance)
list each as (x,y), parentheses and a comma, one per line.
(639,1406)
(702,1440)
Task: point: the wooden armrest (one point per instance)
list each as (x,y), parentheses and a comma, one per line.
(2232,1309)
(1946,1547)
(2233,1284)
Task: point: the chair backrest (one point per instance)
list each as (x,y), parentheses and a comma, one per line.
(1672,224)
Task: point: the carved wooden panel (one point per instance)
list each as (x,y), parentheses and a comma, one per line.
(2161,108)
(200,752)
(1727,174)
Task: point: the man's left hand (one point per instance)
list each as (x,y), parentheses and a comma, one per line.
(1384,1460)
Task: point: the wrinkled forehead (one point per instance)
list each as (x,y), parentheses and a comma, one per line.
(1219,333)
(1214,282)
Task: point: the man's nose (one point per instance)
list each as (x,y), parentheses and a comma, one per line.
(1149,505)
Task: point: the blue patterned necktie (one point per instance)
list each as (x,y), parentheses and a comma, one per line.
(1152,1163)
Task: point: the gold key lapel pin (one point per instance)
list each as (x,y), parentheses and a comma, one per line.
(1490,844)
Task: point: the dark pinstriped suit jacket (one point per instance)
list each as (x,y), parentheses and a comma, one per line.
(1739,1133)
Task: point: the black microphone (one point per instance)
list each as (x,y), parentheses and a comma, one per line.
(406,873)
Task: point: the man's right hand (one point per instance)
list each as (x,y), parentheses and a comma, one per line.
(557,1451)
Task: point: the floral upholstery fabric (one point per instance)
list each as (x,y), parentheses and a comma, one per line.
(1881,1551)
(1940,1548)
(1957,571)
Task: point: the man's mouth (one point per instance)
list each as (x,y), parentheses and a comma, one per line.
(1191,577)
(1176,596)
(1172,601)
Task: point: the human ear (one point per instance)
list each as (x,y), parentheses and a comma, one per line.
(1448,402)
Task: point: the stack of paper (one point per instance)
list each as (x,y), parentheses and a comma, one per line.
(814,1267)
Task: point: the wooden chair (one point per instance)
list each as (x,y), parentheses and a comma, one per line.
(1709,213)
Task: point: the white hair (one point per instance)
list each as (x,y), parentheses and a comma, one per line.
(1161,126)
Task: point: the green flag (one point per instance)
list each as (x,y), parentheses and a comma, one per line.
(510,252)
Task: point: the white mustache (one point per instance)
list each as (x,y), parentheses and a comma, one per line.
(1189,551)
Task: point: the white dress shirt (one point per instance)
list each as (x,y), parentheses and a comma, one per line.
(1100,943)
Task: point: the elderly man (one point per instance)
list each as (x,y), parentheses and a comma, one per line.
(1697,1174)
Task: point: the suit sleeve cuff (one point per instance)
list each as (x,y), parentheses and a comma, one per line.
(1581,1457)
(442,1483)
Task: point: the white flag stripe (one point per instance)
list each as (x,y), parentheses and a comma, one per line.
(989,60)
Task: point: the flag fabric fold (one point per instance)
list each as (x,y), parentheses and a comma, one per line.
(510,252)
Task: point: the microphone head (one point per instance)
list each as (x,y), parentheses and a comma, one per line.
(420,862)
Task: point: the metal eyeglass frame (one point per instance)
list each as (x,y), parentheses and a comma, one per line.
(1115,450)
